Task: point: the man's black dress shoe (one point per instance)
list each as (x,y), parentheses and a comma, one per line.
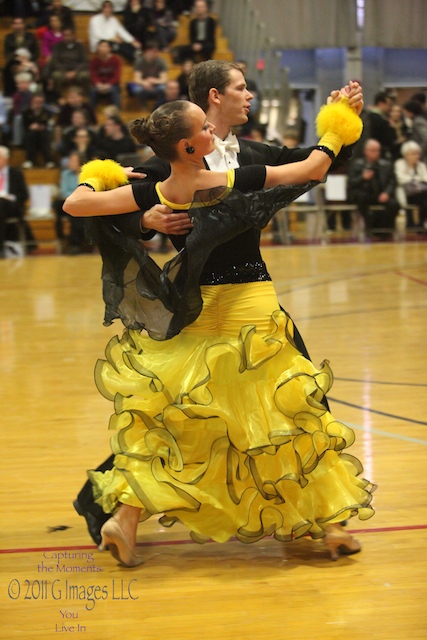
(94,523)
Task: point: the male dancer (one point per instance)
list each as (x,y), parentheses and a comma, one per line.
(219,88)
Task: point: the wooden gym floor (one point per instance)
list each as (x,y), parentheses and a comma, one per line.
(363,307)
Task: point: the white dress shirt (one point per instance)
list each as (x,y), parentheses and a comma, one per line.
(224,156)
(103,28)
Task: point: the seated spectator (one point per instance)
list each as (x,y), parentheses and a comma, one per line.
(202,34)
(171,92)
(183,77)
(105,26)
(411,175)
(20,38)
(371,181)
(163,23)
(113,141)
(105,74)
(109,111)
(56,7)
(19,63)
(137,20)
(150,76)
(401,129)
(50,37)
(37,120)
(4,121)
(80,136)
(69,64)
(73,244)
(13,196)
(418,133)
(21,100)
(74,100)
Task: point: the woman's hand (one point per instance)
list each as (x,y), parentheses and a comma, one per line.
(161,218)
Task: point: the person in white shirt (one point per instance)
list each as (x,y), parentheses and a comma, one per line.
(105,26)
(411,176)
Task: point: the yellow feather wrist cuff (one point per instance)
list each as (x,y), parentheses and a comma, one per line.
(103,175)
(338,125)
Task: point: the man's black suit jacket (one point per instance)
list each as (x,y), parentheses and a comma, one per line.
(18,188)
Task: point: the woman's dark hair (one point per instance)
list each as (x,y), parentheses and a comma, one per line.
(164,128)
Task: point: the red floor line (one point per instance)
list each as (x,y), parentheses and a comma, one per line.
(160,543)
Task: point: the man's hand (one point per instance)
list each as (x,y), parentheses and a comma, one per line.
(131,174)
(161,218)
(383,198)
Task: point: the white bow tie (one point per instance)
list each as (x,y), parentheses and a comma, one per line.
(231,143)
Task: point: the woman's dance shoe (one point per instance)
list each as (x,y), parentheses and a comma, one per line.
(114,539)
(338,542)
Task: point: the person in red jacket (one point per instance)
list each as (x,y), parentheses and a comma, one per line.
(105,73)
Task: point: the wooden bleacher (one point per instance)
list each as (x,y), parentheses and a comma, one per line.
(44,228)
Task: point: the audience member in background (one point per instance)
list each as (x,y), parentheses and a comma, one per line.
(73,244)
(108,111)
(37,134)
(79,136)
(149,76)
(74,100)
(56,7)
(202,30)
(21,100)
(50,37)
(105,74)
(20,62)
(105,26)
(418,133)
(20,38)
(171,92)
(4,121)
(13,196)
(411,175)
(422,99)
(371,181)
(183,78)
(377,125)
(397,121)
(163,22)
(113,142)
(69,64)
(137,20)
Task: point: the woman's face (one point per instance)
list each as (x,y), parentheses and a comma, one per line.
(396,113)
(55,23)
(413,157)
(202,139)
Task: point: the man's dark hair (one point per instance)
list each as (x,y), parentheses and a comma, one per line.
(413,107)
(211,74)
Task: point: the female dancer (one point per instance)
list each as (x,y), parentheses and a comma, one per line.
(219,417)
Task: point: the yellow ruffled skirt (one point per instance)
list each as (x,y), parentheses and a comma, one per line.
(222,427)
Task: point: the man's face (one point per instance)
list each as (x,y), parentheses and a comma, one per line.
(68,35)
(18,25)
(107,10)
(372,151)
(236,100)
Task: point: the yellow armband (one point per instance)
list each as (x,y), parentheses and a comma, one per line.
(338,125)
(103,175)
